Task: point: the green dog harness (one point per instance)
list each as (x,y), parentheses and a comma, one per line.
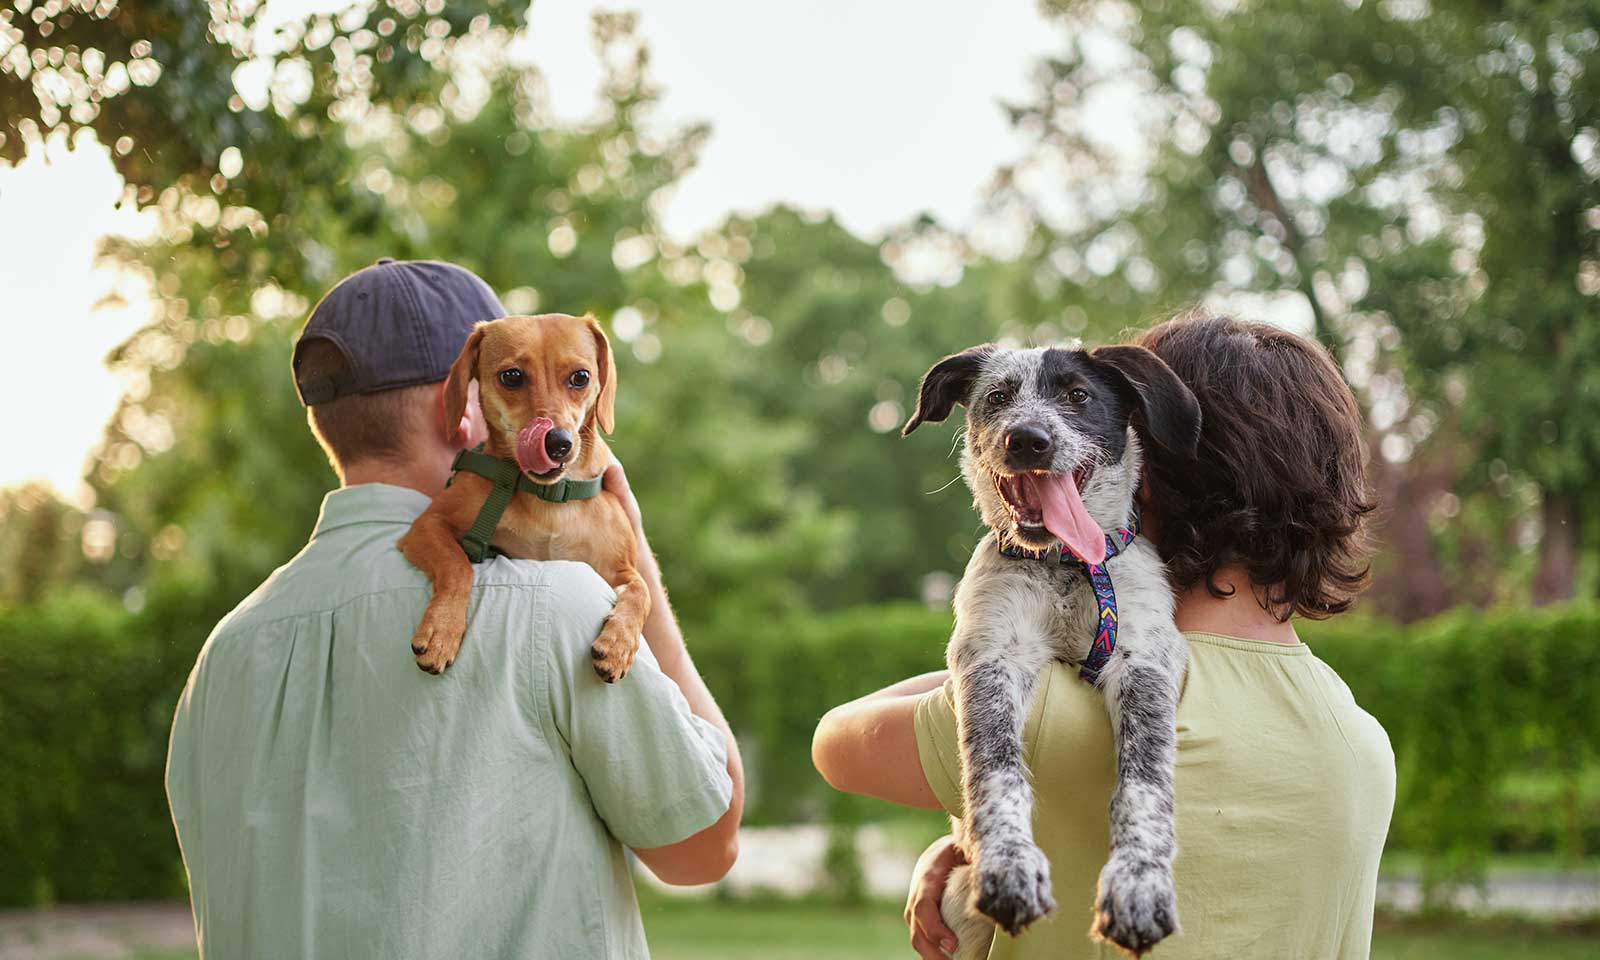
(508,480)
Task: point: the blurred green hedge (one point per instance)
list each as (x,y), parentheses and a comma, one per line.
(87,691)
(1495,720)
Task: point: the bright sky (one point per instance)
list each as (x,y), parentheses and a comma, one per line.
(877,111)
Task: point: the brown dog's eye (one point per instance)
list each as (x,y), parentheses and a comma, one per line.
(512,379)
(578,380)
(1078,395)
(998,397)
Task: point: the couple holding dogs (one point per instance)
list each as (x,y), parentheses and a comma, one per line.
(1126,680)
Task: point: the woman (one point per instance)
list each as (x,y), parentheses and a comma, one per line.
(1284,785)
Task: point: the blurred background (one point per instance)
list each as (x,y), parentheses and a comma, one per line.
(783,214)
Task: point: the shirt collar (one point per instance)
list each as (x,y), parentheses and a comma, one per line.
(369,503)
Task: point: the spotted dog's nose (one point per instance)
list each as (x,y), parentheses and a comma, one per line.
(1028,448)
(558,444)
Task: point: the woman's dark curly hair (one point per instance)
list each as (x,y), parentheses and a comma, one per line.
(1280,486)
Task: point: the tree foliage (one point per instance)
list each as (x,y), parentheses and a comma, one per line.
(1422,175)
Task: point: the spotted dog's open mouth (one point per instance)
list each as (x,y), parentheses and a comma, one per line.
(1049,506)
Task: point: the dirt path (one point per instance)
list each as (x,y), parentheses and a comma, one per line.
(95,932)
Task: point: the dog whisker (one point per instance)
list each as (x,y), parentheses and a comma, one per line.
(942,489)
(955,442)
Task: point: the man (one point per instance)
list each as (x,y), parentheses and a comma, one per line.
(1284,784)
(332,800)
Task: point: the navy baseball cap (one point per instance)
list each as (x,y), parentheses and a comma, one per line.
(397,323)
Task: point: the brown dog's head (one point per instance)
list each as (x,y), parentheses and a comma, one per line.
(545,384)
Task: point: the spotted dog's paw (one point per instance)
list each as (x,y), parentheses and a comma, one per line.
(1014,886)
(1137,906)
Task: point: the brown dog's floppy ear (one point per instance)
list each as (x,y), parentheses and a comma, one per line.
(605,408)
(1169,415)
(946,384)
(462,373)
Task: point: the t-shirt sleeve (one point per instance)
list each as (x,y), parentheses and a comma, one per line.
(938,746)
(1072,711)
(656,773)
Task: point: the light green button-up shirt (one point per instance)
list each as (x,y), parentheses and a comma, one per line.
(332,800)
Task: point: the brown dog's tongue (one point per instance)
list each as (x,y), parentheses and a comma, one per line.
(531,456)
(1065,516)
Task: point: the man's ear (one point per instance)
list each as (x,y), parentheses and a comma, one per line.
(462,373)
(605,408)
(946,384)
(1167,412)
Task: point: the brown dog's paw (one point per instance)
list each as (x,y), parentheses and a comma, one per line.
(613,652)
(437,640)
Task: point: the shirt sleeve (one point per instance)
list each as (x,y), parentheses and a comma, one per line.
(655,772)
(938,745)
(1072,710)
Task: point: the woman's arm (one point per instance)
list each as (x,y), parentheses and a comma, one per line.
(869,746)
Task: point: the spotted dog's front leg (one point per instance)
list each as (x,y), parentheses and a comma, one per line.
(1137,904)
(994,683)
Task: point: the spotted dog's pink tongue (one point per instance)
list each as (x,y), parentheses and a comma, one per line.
(1065,516)
(531,456)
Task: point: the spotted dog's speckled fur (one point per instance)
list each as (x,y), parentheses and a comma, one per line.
(1013,616)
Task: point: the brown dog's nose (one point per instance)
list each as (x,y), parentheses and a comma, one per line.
(558,444)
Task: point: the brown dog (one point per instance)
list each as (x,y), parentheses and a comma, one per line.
(548,387)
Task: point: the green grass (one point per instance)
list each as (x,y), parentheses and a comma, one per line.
(1432,944)
(791,930)
(804,930)
(772,930)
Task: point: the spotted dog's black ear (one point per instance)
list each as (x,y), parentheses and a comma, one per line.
(946,384)
(1168,413)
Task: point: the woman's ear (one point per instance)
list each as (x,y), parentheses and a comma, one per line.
(946,384)
(462,373)
(605,408)
(1167,412)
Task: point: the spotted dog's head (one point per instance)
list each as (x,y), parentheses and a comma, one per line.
(1053,434)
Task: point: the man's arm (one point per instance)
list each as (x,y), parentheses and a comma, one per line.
(870,745)
(707,856)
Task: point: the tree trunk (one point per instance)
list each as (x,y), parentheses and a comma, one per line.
(1413,585)
(1558,550)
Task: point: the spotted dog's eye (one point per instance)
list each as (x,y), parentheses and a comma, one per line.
(512,378)
(1078,395)
(578,380)
(998,397)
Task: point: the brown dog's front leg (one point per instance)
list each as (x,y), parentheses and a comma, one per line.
(613,652)
(431,546)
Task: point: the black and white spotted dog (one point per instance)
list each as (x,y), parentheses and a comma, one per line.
(1052,454)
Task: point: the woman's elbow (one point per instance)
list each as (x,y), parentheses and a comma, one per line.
(828,749)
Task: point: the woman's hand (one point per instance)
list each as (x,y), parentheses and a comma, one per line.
(929,936)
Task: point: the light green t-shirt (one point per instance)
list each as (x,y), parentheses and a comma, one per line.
(1284,790)
(332,800)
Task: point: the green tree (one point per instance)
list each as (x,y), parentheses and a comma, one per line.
(1420,174)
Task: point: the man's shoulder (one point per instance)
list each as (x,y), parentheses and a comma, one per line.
(565,577)
(310,585)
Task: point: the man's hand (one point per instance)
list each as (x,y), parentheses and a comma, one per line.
(929,936)
(615,482)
